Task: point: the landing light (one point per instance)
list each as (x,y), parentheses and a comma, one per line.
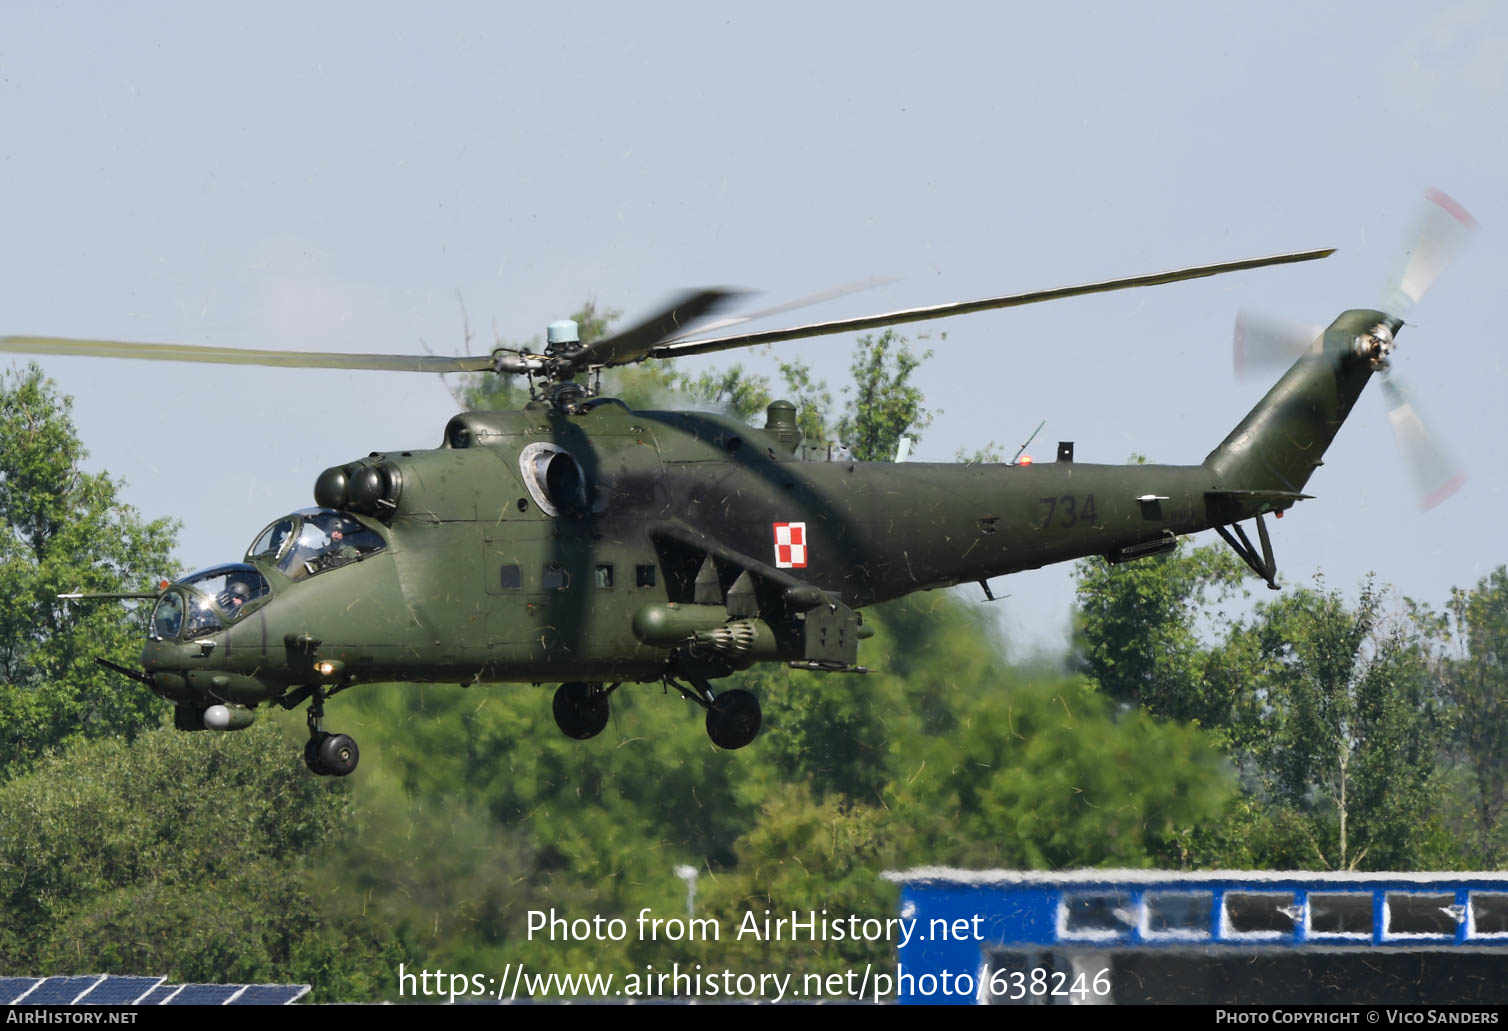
(325,668)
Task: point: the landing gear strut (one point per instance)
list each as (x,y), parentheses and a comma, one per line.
(581,710)
(329,755)
(733,717)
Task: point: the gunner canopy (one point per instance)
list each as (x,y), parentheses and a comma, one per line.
(207,601)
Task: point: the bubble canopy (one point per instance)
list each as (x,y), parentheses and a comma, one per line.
(313,541)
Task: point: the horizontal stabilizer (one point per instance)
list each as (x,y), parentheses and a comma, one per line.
(1259,495)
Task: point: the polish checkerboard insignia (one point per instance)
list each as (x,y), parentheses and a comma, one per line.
(790,545)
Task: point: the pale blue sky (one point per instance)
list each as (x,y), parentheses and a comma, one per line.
(328,176)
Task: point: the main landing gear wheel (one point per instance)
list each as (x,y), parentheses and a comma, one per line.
(581,710)
(311,752)
(338,755)
(331,755)
(733,719)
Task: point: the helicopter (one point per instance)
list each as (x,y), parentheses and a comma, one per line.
(580,542)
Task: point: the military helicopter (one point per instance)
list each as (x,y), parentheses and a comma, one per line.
(580,542)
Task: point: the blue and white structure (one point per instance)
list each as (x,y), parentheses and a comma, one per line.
(1086,922)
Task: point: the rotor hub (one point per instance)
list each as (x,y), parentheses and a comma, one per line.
(1375,345)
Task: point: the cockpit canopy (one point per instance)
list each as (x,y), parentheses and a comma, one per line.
(207,601)
(313,541)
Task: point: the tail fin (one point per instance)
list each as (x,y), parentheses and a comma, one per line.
(1282,440)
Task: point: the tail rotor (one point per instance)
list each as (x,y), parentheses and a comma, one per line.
(1261,343)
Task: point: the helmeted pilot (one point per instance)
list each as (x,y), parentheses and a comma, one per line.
(235,595)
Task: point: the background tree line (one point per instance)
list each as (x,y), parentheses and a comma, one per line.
(1315,731)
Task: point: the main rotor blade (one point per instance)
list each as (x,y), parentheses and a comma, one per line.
(1442,229)
(242,356)
(940,311)
(858,286)
(635,343)
(1435,476)
(1260,342)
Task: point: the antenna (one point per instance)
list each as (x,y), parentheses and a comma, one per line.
(1028,440)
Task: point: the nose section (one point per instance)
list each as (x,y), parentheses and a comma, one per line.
(201,646)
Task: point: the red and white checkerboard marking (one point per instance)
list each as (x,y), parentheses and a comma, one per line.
(790,545)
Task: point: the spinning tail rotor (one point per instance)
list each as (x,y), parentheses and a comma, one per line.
(1261,343)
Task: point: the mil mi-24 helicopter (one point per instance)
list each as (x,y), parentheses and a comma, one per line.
(580,542)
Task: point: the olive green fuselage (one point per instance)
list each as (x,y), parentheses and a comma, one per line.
(478,582)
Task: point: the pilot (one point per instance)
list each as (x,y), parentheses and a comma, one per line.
(235,595)
(340,549)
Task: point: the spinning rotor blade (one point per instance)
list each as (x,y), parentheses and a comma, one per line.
(1261,342)
(634,344)
(1435,476)
(677,348)
(242,356)
(660,336)
(1443,228)
(857,286)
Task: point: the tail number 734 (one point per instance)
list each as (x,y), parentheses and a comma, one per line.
(1068,509)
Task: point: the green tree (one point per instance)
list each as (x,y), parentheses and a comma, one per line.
(803,855)
(66,530)
(1475,686)
(199,856)
(1049,775)
(1349,728)
(1138,633)
(885,404)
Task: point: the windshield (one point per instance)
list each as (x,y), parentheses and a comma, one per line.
(167,618)
(314,541)
(213,599)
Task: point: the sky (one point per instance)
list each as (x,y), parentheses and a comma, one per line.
(347,176)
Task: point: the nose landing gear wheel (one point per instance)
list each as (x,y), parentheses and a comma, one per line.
(733,719)
(581,710)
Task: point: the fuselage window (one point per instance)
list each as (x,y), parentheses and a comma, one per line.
(555,577)
(513,578)
(644,576)
(602,576)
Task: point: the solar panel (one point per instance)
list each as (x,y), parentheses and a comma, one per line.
(203,995)
(270,995)
(12,988)
(60,991)
(157,996)
(119,991)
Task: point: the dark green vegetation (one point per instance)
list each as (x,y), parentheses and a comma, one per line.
(1324,729)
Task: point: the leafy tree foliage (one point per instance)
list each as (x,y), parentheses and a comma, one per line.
(1329,710)
(1350,732)
(1475,685)
(1137,631)
(885,404)
(1049,776)
(65,530)
(183,854)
